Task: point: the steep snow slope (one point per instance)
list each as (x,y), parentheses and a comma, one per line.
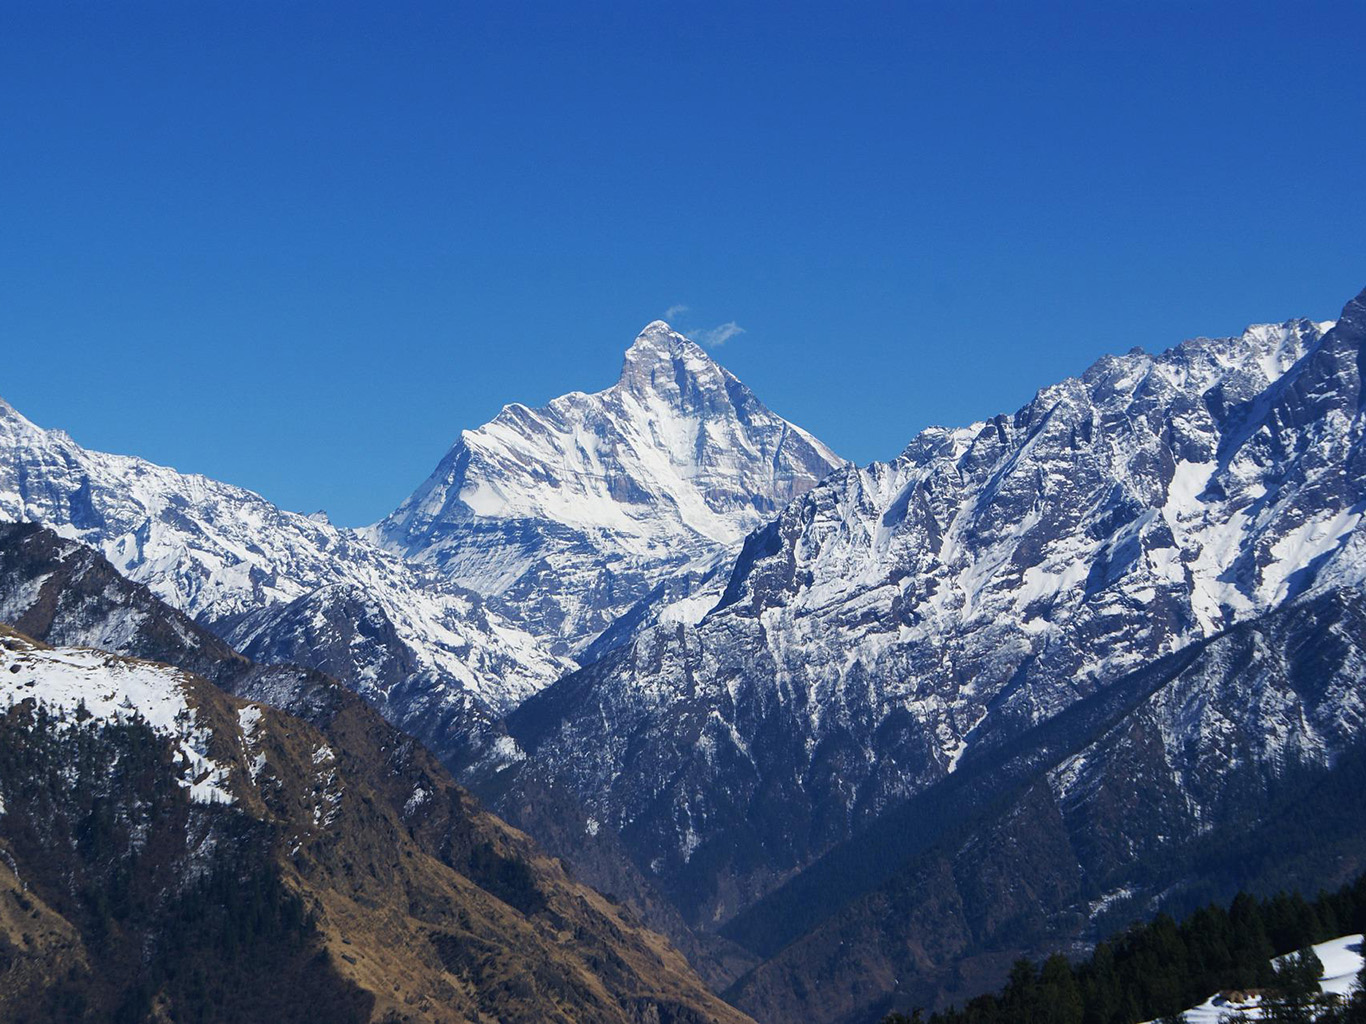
(232,560)
(572,512)
(995,573)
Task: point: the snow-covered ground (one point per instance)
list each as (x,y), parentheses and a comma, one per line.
(1342,961)
(112,689)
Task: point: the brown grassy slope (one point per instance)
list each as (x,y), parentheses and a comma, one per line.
(63,593)
(435,909)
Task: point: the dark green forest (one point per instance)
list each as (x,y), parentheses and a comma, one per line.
(1156,970)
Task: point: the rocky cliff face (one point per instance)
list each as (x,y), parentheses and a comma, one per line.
(988,578)
(571,513)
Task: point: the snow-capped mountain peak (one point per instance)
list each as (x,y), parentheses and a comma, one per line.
(675,461)
(657,335)
(662,358)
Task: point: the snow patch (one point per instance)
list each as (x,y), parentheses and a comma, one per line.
(87,686)
(1342,961)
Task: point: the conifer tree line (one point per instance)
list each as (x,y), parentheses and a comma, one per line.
(1154,971)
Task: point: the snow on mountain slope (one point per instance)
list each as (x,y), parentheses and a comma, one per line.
(223,555)
(572,512)
(89,687)
(1177,784)
(1004,570)
(1281,694)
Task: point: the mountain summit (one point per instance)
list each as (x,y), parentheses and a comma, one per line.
(572,512)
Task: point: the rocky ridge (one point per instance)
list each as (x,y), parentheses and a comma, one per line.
(989,576)
(233,561)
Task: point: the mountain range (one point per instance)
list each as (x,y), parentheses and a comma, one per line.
(853,737)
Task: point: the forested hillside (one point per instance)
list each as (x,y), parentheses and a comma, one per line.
(1158,969)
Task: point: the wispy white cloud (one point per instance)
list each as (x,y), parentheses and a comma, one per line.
(715,337)
(708,337)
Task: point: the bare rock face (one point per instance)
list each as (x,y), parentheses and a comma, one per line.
(571,513)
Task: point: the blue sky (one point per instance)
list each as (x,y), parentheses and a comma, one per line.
(298,247)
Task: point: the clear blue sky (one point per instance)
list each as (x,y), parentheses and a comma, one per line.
(299,246)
